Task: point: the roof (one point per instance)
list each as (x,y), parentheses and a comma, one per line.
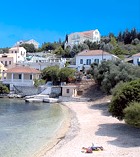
(93,53)
(87,33)
(16,48)
(23,69)
(136,55)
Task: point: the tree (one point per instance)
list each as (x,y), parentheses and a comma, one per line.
(59,51)
(132,114)
(91,45)
(117,50)
(66,73)
(51,73)
(3,89)
(29,47)
(124,94)
(109,73)
(48,46)
(113,41)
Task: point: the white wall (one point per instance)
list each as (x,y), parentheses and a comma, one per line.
(100,57)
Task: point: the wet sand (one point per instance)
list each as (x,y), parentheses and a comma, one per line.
(91,123)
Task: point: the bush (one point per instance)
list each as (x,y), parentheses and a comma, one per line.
(110,73)
(4,89)
(39,82)
(132,114)
(122,96)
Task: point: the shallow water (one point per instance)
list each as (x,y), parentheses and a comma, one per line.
(26,127)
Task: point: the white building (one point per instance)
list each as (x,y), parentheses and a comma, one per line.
(136,59)
(32,41)
(18,54)
(20,76)
(80,37)
(87,57)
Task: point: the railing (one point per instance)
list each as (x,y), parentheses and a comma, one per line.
(18,81)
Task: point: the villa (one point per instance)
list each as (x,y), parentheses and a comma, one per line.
(87,57)
(79,37)
(20,76)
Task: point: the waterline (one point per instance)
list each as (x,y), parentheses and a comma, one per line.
(25,127)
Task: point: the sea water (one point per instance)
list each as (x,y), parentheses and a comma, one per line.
(26,127)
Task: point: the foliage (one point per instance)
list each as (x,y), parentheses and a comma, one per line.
(127,36)
(3,89)
(59,51)
(50,73)
(123,94)
(91,45)
(117,50)
(109,73)
(65,74)
(132,114)
(38,82)
(55,74)
(29,47)
(4,50)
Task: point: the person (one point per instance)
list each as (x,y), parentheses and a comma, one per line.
(87,150)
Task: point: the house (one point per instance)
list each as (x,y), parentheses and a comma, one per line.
(69,91)
(136,59)
(18,54)
(79,37)
(7,60)
(2,69)
(21,76)
(32,41)
(87,57)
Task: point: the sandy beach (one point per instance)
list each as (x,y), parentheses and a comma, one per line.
(91,123)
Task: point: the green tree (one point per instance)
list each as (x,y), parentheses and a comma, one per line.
(124,94)
(113,41)
(66,73)
(3,89)
(29,47)
(59,51)
(51,73)
(132,114)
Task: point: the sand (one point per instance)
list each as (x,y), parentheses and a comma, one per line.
(91,123)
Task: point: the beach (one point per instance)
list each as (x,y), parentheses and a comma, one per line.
(92,123)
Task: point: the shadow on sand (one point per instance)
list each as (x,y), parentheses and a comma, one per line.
(125,135)
(103,107)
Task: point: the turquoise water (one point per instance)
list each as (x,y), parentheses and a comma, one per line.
(26,127)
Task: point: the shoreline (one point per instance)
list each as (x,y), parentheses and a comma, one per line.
(91,123)
(60,133)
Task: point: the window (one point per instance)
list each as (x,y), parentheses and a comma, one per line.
(30,77)
(68,90)
(15,51)
(1,61)
(81,61)
(5,63)
(96,60)
(88,62)
(19,76)
(9,62)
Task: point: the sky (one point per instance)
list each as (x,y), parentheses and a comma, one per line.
(51,20)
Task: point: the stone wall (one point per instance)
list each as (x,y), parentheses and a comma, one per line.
(25,91)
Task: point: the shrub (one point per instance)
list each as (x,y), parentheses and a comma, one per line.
(132,114)
(3,89)
(109,73)
(122,96)
(39,82)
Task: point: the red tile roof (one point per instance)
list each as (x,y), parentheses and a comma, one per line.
(92,53)
(22,69)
